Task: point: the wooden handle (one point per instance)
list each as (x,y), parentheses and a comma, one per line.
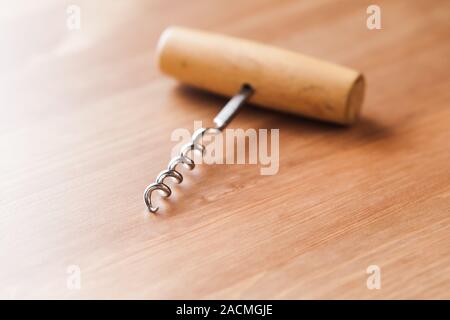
(282,80)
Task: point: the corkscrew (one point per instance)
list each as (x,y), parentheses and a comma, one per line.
(267,76)
(222,119)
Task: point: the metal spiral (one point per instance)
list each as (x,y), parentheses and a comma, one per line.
(194,144)
(226,114)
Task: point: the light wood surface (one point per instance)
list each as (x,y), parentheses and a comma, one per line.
(282,79)
(85,125)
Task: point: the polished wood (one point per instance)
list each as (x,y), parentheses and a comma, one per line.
(85,125)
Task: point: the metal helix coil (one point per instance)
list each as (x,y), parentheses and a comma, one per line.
(226,114)
(184,159)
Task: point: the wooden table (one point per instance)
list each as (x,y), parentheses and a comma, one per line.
(86,119)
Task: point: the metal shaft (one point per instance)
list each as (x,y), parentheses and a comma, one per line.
(232,107)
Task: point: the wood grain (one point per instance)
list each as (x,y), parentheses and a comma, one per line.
(86,122)
(282,80)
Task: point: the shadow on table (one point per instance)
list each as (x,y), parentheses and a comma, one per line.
(364,130)
(366,134)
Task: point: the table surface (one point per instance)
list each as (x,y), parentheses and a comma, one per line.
(86,124)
